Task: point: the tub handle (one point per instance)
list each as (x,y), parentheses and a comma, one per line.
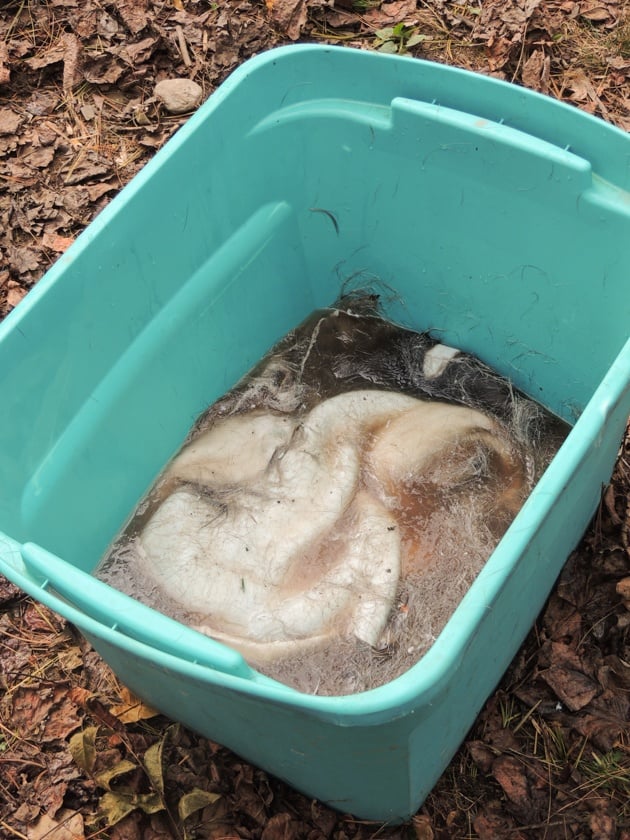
(451,131)
(68,589)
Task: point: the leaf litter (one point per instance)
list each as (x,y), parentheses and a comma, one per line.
(549,755)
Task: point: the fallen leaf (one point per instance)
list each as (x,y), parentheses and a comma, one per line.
(9,591)
(481,754)
(115,806)
(195,800)
(390,13)
(153,764)
(623,588)
(57,243)
(67,826)
(133,13)
(573,688)
(595,12)
(279,827)
(105,777)
(509,773)
(9,121)
(41,158)
(422,827)
(15,295)
(131,709)
(288,15)
(5,71)
(83,748)
(24,259)
(95,191)
(104,70)
(51,55)
(535,73)
(602,824)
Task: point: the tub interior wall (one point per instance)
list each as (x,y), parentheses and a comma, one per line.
(210,258)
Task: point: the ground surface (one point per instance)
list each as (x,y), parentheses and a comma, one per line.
(549,756)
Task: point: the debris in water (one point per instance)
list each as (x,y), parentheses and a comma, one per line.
(328,514)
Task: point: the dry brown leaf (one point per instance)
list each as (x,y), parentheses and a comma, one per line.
(58,244)
(134,14)
(131,709)
(15,295)
(492,824)
(280,827)
(24,259)
(595,12)
(509,773)
(104,70)
(573,688)
(481,754)
(9,121)
(51,55)
(5,70)
(623,588)
(535,73)
(583,90)
(67,826)
(390,13)
(41,158)
(288,15)
(139,52)
(422,827)
(602,824)
(96,191)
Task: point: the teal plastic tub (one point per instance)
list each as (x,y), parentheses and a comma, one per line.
(500,218)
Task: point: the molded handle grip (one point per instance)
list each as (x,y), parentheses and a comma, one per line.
(523,155)
(65,586)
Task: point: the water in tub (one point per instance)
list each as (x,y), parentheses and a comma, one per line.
(328,514)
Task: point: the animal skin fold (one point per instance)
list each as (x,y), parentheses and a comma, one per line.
(285,532)
(327,514)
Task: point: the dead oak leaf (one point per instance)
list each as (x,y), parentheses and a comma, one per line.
(281,827)
(41,158)
(104,70)
(133,13)
(5,70)
(67,826)
(131,709)
(96,191)
(288,15)
(602,824)
(390,13)
(536,70)
(572,687)
(15,295)
(44,712)
(23,259)
(137,53)
(9,121)
(58,244)
(53,54)
(596,12)
(510,774)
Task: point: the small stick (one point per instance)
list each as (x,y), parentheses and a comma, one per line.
(183,47)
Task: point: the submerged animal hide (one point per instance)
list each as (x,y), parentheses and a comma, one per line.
(318,512)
